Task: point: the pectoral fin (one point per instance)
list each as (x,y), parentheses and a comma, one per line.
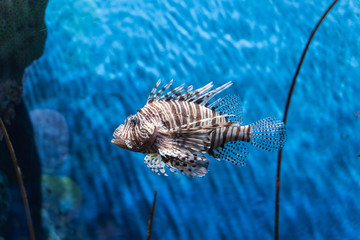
(196,167)
(155,163)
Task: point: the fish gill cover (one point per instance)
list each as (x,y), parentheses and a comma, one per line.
(102,57)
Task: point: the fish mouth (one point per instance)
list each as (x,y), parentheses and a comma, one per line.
(119,142)
(122,144)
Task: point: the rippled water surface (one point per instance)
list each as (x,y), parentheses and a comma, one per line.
(100,62)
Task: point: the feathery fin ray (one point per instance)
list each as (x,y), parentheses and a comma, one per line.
(154,162)
(215,128)
(199,96)
(182,144)
(234,152)
(230,105)
(192,168)
(268,134)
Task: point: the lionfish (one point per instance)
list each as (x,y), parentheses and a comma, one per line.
(179,127)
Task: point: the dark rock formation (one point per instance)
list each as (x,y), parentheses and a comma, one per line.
(22,39)
(22,35)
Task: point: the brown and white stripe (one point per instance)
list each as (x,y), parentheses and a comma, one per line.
(175,114)
(176,129)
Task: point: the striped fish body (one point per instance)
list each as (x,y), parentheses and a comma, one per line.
(176,129)
(175,114)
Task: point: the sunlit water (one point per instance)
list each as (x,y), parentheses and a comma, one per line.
(100,62)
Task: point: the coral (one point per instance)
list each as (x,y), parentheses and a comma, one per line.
(52,138)
(60,191)
(62,198)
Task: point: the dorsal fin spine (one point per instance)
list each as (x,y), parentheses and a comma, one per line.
(150,98)
(199,96)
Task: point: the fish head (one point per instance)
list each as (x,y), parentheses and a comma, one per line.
(136,134)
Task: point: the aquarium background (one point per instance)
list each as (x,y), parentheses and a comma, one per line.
(102,58)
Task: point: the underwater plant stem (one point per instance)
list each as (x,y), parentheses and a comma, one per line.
(151,217)
(286,112)
(20,180)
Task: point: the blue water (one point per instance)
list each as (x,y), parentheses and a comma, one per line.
(100,62)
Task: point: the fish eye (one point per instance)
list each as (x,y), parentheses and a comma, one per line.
(133,120)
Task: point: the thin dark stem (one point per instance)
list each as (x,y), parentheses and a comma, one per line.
(151,217)
(20,180)
(286,112)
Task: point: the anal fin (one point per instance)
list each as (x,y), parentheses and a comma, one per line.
(235,152)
